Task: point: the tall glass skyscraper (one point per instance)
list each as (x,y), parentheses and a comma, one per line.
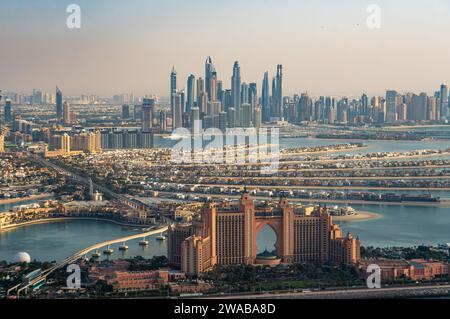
(173,89)
(209,72)
(273,101)
(444,100)
(148,106)
(7,111)
(391,103)
(177,120)
(253,95)
(236,91)
(59,103)
(278,97)
(244,93)
(265,98)
(190,93)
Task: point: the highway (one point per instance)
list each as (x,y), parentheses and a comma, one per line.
(70,260)
(354,293)
(133,204)
(124,200)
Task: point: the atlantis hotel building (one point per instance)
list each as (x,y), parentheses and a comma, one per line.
(225,234)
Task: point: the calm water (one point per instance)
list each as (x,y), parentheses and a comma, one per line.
(402,226)
(398,226)
(56,241)
(7,207)
(373,146)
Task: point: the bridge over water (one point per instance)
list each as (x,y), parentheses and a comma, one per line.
(43,276)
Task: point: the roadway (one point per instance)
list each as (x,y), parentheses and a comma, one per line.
(106,191)
(353,293)
(356,168)
(325,178)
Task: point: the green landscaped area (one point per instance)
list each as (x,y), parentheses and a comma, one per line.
(289,284)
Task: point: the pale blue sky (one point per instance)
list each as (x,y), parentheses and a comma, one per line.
(131,45)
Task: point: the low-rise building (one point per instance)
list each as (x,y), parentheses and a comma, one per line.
(122,281)
(416,269)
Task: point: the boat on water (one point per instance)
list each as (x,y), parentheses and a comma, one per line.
(161,238)
(108,251)
(143,242)
(173,137)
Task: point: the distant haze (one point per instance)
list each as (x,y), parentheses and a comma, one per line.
(129,46)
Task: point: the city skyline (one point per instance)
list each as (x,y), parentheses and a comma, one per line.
(236,150)
(182,84)
(317,48)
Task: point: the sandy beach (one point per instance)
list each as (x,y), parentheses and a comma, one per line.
(359,216)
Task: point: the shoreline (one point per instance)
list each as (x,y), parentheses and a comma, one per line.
(357,217)
(18,200)
(305,201)
(63,219)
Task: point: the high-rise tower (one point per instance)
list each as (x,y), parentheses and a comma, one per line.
(278,93)
(8,111)
(236,91)
(444,101)
(209,74)
(265,98)
(59,103)
(173,89)
(177,120)
(273,101)
(190,93)
(67,114)
(391,105)
(147,115)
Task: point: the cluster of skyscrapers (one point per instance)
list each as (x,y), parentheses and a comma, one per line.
(389,109)
(207,100)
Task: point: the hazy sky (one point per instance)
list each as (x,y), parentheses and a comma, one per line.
(325,46)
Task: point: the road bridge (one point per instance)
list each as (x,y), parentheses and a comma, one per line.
(70,260)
